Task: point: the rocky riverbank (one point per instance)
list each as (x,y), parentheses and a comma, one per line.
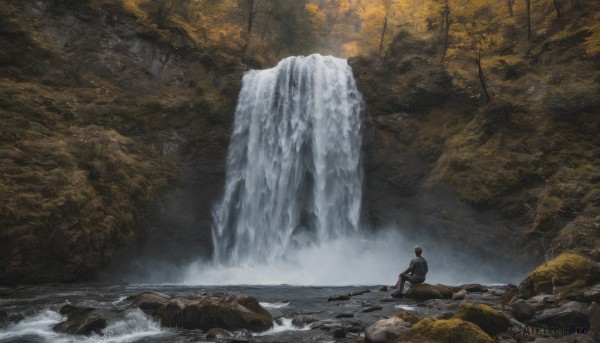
(556,302)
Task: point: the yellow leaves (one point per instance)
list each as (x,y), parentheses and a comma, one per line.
(312,8)
(351,49)
(592,43)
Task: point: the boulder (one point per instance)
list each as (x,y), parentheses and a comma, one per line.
(586,294)
(460,295)
(568,271)
(216,333)
(446,291)
(423,291)
(170,313)
(7,319)
(345,315)
(386,330)
(408,317)
(149,301)
(445,331)
(508,296)
(522,310)
(372,308)
(235,313)
(383,288)
(434,304)
(361,292)
(348,325)
(594,315)
(3,319)
(341,297)
(84,321)
(303,320)
(474,287)
(488,319)
(572,313)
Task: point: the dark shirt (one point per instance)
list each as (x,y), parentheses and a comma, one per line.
(418,268)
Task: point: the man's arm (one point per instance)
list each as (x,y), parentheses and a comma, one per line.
(410,268)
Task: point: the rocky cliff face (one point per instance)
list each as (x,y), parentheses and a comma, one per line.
(514,177)
(111,129)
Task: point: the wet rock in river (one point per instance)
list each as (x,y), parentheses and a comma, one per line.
(345,315)
(216,333)
(149,301)
(361,292)
(572,313)
(586,294)
(386,330)
(341,297)
(594,315)
(423,291)
(446,291)
(170,313)
(383,288)
(241,312)
(522,310)
(475,287)
(460,295)
(303,320)
(83,321)
(7,319)
(372,308)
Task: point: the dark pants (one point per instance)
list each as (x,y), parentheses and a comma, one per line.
(407,277)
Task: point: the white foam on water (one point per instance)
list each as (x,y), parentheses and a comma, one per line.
(134,326)
(406,307)
(273,305)
(286,325)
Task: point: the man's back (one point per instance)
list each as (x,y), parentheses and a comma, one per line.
(419,267)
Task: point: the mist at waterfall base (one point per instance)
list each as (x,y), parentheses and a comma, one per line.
(374,259)
(290,212)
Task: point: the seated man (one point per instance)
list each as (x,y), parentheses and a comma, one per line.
(414,274)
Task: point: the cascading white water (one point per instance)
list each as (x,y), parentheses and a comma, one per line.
(293,170)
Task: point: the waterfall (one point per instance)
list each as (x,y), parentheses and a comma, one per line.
(294,176)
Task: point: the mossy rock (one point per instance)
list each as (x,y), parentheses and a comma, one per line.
(570,271)
(408,317)
(488,319)
(445,331)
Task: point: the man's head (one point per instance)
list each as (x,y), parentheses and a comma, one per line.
(418,250)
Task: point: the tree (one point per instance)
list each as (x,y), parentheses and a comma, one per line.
(484,93)
(385,21)
(557,6)
(445,27)
(528,9)
(250,17)
(510,7)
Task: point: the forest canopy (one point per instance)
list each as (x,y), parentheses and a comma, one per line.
(350,27)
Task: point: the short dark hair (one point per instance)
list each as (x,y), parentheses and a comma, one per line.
(418,250)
